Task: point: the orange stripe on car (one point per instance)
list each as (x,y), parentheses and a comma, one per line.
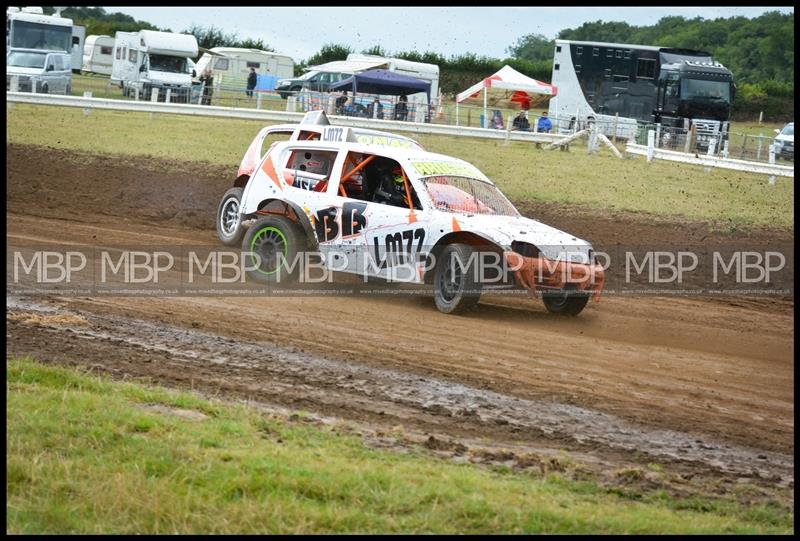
(269,169)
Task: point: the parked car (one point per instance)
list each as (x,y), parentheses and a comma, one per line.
(784,142)
(312,80)
(48,72)
(397,213)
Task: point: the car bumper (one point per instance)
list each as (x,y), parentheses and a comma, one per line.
(539,272)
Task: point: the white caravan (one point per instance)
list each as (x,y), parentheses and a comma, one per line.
(148,60)
(231,65)
(98,55)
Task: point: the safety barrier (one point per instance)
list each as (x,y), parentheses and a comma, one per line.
(88,103)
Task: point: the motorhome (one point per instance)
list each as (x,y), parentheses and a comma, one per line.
(231,66)
(620,84)
(38,51)
(98,55)
(148,60)
(30,28)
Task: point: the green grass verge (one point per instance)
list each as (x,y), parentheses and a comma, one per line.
(522,171)
(85,455)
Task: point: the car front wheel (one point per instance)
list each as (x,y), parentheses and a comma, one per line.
(565,302)
(455,286)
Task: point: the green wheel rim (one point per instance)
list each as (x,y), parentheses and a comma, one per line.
(269,235)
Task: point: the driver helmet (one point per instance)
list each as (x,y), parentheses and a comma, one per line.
(397,176)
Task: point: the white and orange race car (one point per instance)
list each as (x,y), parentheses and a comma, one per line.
(378,205)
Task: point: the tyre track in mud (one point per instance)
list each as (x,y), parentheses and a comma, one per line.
(720,370)
(269,373)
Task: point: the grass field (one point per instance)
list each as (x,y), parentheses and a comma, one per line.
(89,455)
(730,199)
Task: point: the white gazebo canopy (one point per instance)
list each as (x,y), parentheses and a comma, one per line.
(506,80)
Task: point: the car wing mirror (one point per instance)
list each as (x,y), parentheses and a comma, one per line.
(142,68)
(777,131)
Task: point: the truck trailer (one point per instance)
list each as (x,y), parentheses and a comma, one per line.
(619,85)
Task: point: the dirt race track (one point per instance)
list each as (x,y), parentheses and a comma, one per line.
(704,385)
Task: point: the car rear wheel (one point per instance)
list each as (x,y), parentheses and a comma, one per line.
(566,302)
(271,247)
(229,223)
(455,288)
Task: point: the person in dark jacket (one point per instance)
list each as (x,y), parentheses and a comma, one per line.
(207,79)
(521,122)
(252,81)
(401,109)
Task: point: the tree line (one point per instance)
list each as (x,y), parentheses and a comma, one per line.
(99,22)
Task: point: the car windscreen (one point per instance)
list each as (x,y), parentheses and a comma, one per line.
(788,130)
(22,59)
(171,64)
(459,194)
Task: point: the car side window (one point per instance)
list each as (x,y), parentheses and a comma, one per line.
(377,179)
(307,168)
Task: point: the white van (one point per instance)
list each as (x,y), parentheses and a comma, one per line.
(148,60)
(231,66)
(98,55)
(47,72)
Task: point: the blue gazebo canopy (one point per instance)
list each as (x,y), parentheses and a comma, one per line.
(383,82)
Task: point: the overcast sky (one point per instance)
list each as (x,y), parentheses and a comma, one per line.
(301,32)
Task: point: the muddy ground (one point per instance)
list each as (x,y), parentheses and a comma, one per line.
(703,386)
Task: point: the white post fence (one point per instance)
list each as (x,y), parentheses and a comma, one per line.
(86,110)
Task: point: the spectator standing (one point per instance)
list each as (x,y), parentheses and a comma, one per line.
(521,122)
(401,110)
(207,78)
(544,125)
(340,103)
(252,81)
(375,105)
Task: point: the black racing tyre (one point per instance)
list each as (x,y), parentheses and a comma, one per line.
(229,222)
(264,241)
(455,288)
(565,302)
